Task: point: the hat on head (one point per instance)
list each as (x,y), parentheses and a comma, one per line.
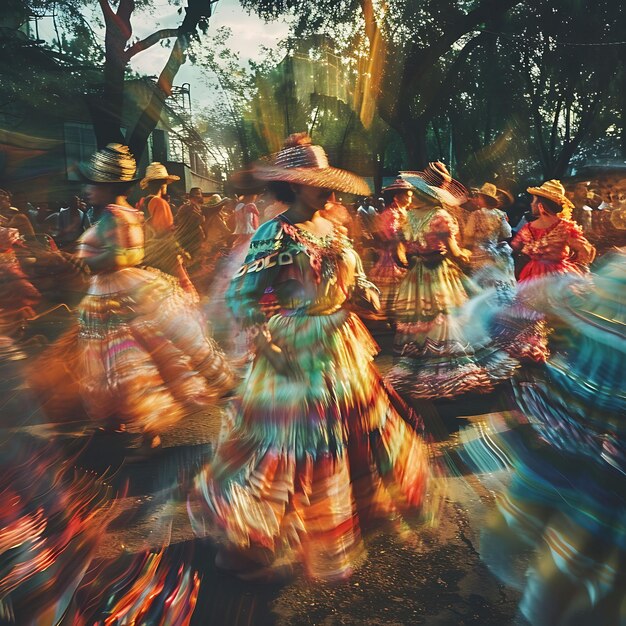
(398,185)
(215,200)
(489,193)
(422,189)
(157,171)
(436,174)
(553,190)
(112,164)
(302,163)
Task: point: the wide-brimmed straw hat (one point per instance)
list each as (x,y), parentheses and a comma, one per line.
(553,190)
(436,174)
(302,163)
(157,171)
(489,193)
(112,164)
(421,189)
(215,201)
(398,185)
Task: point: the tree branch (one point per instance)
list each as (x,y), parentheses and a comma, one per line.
(150,40)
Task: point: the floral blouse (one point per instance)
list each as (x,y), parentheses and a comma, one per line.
(305,274)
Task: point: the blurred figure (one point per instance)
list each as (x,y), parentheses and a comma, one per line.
(486,233)
(317,450)
(565,506)
(436,358)
(189,224)
(17,294)
(386,228)
(246,218)
(70,223)
(162,250)
(139,353)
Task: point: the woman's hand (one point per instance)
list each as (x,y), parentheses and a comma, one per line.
(272,352)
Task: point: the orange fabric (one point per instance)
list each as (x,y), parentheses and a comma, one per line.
(161,218)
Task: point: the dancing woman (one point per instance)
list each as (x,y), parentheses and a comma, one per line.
(389,269)
(486,234)
(139,352)
(317,449)
(554,243)
(437,360)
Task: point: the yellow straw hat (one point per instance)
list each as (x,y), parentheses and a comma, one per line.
(553,190)
(489,192)
(157,171)
(302,163)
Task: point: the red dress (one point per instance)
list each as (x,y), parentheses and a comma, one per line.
(550,249)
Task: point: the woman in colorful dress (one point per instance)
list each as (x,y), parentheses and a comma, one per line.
(565,506)
(139,353)
(390,268)
(486,233)
(318,448)
(436,358)
(554,243)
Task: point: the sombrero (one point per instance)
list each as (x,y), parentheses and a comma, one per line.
(553,190)
(112,164)
(302,163)
(157,171)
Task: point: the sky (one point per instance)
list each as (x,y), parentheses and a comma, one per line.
(249,34)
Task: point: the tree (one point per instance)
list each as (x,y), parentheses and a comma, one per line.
(105,98)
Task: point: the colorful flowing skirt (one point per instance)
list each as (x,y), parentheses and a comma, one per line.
(492,267)
(436,358)
(566,504)
(138,356)
(387,275)
(310,460)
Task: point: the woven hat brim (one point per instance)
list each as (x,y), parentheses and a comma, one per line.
(422,189)
(325,177)
(88,174)
(493,201)
(559,199)
(170,178)
(217,205)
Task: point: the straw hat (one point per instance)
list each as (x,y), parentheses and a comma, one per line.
(157,171)
(398,185)
(112,164)
(489,193)
(421,189)
(302,163)
(215,201)
(436,174)
(552,190)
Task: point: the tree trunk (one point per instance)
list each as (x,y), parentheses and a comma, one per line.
(149,118)
(414,138)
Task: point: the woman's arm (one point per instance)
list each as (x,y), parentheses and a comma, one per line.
(258,274)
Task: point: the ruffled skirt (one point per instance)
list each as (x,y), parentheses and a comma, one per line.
(139,353)
(437,360)
(310,459)
(387,275)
